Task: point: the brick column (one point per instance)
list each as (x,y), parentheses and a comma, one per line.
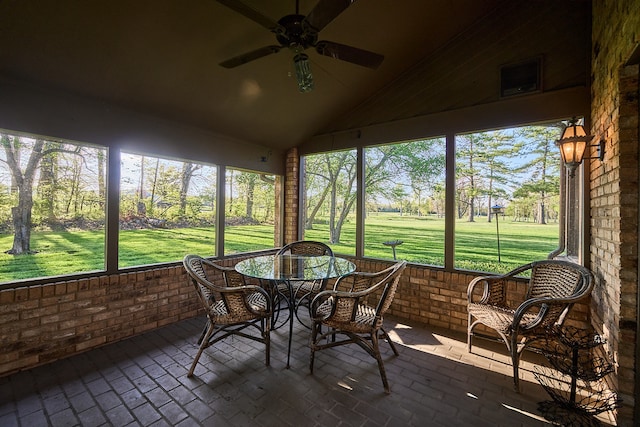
(291,196)
(614,192)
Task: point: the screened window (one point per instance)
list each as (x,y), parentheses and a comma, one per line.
(250,211)
(52,207)
(497,205)
(329,201)
(167,209)
(507,197)
(405,201)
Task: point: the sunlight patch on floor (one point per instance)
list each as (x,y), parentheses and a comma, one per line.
(528,414)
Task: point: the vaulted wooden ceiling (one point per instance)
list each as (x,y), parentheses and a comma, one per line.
(160,57)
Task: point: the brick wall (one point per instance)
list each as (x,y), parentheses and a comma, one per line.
(44,323)
(614,187)
(439,298)
(40,324)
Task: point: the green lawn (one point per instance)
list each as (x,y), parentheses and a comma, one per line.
(476,246)
(59,253)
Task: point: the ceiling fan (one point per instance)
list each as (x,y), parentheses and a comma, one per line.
(298,33)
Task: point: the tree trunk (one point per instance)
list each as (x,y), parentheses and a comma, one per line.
(230,192)
(332,213)
(472,202)
(47,186)
(188,169)
(543,213)
(308,225)
(251,186)
(21,215)
(102,188)
(341,219)
(154,185)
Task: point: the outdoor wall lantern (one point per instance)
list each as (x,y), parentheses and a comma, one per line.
(573,144)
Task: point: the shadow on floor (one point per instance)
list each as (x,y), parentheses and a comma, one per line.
(142,382)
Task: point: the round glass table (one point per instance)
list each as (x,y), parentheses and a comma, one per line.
(286,269)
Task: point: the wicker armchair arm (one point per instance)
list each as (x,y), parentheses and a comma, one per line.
(244,295)
(246,289)
(344,299)
(324,295)
(544,305)
(486,292)
(234,287)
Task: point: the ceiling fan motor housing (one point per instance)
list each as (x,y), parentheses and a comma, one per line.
(297,33)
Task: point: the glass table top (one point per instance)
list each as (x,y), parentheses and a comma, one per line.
(297,267)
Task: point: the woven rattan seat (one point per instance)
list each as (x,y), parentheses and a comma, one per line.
(554,286)
(354,309)
(303,291)
(231,305)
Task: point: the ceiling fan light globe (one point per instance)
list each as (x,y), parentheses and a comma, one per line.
(303,72)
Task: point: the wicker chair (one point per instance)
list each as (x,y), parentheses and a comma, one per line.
(303,291)
(553,288)
(231,307)
(355,309)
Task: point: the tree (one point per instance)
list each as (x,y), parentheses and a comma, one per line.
(399,195)
(73,184)
(335,173)
(24,179)
(48,183)
(331,178)
(467,174)
(342,164)
(542,169)
(495,149)
(247,184)
(102,187)
(316,189)
(250,195)
(188,169)
(424,162)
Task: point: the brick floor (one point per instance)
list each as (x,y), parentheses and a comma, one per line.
(143,381)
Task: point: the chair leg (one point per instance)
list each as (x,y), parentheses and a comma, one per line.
(516,352)
(376,352)
(314,334)
(297,308)
(515,361)
(469,333)
(204,331)
(385,336)
(266,335)
(203,344)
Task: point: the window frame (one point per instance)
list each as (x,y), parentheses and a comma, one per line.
(572,191)
(112,215)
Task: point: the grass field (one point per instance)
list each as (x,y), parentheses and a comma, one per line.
(59,253)
(476,243)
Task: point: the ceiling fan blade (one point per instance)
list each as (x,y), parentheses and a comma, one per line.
(350,54)
(249,56)
(326,11)
(250,13)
